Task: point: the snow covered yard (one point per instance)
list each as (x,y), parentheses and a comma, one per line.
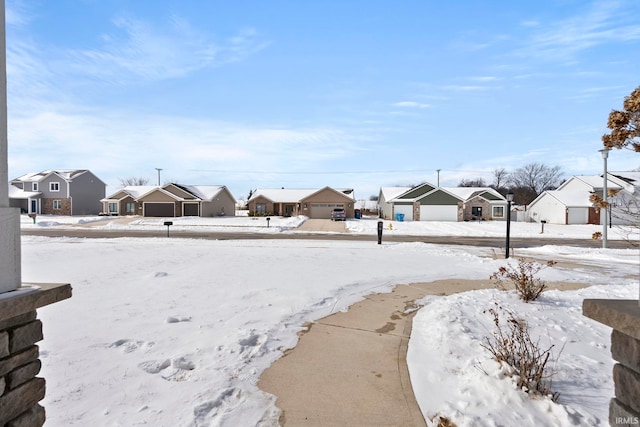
(175,332)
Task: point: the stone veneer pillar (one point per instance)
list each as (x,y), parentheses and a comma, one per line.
(20,389)
(624,317)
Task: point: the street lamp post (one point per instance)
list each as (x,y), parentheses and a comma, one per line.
(605,155)
(158,169)
(509,200)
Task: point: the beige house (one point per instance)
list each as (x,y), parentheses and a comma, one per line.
(313,203)
(171,200)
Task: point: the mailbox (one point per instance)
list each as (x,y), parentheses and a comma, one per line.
(268,219)
(168,224)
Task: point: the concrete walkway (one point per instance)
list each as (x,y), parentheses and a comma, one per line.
(323,225)
(349,369)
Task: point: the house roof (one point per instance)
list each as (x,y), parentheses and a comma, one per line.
(594,181)
(466,193)
(18,193)
(66,174)
(392,192)
(294,195)
(569,199)
(137,192)
(205,192)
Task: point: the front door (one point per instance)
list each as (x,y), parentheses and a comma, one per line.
(34,206)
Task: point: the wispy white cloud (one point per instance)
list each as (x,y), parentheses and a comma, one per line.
(410,104)
(602,23)
(141,50)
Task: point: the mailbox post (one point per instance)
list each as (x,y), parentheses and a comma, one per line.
(268,219)
(168,224)
(380,225)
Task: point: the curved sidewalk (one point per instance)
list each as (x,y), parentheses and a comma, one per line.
(350,368)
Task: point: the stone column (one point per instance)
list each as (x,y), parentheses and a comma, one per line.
(9,217)
(20,389)
(624,317)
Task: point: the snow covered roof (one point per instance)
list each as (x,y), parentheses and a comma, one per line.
(570,198)
(466,193)
(66,174)
(18,193)
(204,192)
(596,181)
(389,193)
(293,195)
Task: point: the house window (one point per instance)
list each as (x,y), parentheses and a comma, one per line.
(113,208)
(54,186)
(498,211)
(261,208)
(57,205)
(476,211)
(34,186)
(131,207)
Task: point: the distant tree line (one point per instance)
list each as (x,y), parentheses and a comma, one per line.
(526,183)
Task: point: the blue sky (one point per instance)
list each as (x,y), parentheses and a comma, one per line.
(301,94)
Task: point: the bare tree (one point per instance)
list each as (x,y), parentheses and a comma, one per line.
(536,177)
(133,181)
(625,124)
(500,178)
(478,182)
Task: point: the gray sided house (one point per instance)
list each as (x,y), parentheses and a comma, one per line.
(171,200)
(58,192)
(313,203)
(427,202)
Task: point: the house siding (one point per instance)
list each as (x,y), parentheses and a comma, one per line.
(86,191)
(328,196)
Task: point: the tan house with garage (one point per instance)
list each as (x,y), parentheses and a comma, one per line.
(313,203)
(171,200)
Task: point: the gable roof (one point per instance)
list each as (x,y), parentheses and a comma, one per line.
(593,181)
(294,195)
(19,193)
(567,198)
(467,193)
(389,193)
(65,174)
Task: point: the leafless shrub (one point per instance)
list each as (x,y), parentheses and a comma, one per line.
(442,421)
(512,344)
(523,278)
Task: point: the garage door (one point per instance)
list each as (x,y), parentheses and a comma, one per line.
(323,210)
(191,209)
(158,209)
(438,213)
(578,216)
(407,210)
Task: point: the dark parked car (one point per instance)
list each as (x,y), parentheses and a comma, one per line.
(338,214)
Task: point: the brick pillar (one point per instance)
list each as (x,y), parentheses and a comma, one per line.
(20,388)
(624,317)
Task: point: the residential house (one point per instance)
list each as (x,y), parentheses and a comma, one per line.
(171,200)
(58,192)
(427,202)
(570,203)
(313,203)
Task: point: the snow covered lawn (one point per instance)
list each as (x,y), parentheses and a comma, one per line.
(175,332)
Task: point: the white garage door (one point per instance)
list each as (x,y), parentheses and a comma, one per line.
(438,213)
(407,210)
(578,216)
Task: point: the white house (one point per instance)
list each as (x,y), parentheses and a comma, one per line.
(570,204)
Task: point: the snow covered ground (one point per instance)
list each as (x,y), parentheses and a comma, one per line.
(175,332)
